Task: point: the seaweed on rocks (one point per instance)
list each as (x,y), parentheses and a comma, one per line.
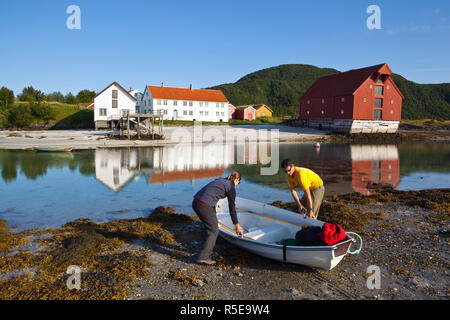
(108,269)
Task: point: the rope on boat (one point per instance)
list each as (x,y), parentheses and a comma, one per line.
(360,247)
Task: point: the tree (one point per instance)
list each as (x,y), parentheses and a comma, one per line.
(6,96)
(70,99)
(30,94)
(85,96)
(55,96)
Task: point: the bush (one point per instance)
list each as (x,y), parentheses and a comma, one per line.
(41,111)
(20,116)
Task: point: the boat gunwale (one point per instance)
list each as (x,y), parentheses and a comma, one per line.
(292,248)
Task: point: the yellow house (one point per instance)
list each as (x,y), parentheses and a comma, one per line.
(262,110)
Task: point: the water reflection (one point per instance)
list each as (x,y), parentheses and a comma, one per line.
(343,168)
(34,165)
(374,166)
(117,167)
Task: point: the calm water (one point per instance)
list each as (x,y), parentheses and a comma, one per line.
(48,190)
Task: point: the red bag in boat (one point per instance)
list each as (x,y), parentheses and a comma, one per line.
(332,233)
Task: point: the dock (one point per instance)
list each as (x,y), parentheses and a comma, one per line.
(138,124)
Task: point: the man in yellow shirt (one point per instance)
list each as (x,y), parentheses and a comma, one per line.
(311,184)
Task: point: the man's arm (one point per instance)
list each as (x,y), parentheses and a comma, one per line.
(309,203)
(297,200)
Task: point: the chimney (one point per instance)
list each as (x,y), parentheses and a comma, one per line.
(162,84)
(191,86)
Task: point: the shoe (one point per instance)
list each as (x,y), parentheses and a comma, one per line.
(208,262)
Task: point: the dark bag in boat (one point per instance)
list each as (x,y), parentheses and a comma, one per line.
(309,236)
(332,233)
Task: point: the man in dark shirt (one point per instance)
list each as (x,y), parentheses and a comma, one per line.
(204,205)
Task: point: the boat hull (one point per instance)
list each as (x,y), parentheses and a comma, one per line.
(323,257)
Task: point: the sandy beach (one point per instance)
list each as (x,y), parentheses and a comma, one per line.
(88,139)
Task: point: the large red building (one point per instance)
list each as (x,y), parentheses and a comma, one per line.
(357,101)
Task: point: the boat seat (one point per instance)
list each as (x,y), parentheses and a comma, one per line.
(258,233)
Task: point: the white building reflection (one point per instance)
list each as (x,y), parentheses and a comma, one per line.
(115,168)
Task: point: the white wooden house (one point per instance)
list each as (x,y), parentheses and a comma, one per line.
(111,104)
(185,103)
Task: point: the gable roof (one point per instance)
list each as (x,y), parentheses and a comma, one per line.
(120,87)
(243,107)
(170,93)
(258,106)
(344,83)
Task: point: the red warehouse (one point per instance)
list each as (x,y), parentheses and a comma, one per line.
(357,101)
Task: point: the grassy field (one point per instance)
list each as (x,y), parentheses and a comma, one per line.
(45,114)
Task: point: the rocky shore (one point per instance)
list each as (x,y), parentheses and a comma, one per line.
(405,234)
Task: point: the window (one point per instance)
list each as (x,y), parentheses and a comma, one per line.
(342,111)
(342,99)
(217,104)
(201,113)
(222,105)
(158,102)
(165,111)
(206,104)
(378,103)
(308,102)
(387,87)
(223,114)
(377,114)
(190,103)
(323,101)
(175,102)
(392,101)
(184,112)
(379,90)
(191,112)
(206,113)
(165,102)
(102,112)
(114,99)
(201,103)
(365,99)
(217,114)
(184,103)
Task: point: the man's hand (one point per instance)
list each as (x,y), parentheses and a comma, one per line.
(239,230)
(301,209)
(311,214)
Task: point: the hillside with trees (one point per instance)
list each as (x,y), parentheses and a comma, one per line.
(34,108)
(281,88)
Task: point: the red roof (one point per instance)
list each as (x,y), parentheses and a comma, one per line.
(186,175)
(345,83)
(159,92)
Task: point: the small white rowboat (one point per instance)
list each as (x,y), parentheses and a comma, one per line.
(265,226)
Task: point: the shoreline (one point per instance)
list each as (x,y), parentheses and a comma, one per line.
(91,139)
(405,234)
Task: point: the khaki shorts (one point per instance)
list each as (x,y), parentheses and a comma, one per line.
(317,196)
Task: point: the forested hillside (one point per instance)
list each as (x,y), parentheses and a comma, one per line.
(281,87)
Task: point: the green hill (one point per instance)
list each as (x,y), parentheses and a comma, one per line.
(281,88)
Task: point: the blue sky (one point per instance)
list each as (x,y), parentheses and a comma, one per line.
(213,42)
